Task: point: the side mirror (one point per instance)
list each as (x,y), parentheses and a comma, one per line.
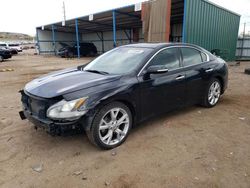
(156,69)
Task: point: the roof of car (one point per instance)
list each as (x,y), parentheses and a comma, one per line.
(159,45)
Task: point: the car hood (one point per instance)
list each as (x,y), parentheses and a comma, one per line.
(66,81)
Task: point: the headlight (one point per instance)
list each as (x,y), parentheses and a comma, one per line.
(68,109)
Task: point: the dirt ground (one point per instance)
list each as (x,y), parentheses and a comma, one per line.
(194,147)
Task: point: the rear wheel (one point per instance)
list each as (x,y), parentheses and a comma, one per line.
(1,58)
(212,94)
(92,53)
(110,126)
(70,54)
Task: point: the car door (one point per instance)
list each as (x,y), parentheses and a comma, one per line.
(166,91)
(198,71)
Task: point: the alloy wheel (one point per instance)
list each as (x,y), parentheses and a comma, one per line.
(214,93)
(114,126)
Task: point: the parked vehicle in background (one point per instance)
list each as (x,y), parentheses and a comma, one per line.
(122,88)
(4,54)
(25,47)
(6,46)
(86,49)
(15,46)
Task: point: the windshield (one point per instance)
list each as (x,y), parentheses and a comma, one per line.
(119,61)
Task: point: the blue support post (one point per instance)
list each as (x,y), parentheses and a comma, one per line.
(77,39)
(37,40)
(184,25)
(114,28)
(53,38)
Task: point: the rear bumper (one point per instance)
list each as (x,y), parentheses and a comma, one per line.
(52,127)
(62,54)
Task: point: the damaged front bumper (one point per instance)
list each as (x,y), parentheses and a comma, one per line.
(52,127)
(34,109)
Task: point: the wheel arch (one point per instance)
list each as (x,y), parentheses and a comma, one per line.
(221,82)
(103,103)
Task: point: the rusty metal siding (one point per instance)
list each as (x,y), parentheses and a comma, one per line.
(211,27)
(156,21)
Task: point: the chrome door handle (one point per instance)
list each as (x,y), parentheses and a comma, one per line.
(209,70)
(180,77)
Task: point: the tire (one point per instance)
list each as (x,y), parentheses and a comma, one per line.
(107,132)
(212,93)
(247,71)
(92,53)
(1,58)
(70,54)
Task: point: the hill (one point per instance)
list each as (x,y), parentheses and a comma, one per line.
(14,36)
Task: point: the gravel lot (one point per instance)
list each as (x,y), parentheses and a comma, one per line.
(193,147)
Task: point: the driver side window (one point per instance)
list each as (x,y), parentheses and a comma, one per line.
(168,58)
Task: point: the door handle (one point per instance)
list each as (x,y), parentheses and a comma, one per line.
(209,70)
(181,77)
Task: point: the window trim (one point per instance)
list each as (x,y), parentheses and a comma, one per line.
(181,63)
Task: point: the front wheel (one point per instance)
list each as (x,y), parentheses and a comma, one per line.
(110,126)
(212,94)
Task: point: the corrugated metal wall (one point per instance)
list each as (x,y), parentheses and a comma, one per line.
(211,27)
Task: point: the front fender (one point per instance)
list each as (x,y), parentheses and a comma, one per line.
(104,94)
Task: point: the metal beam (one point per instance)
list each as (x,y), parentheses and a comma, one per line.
(114,28)
(102,24)
(128,35)
(102,42)
(99,36)
(38,42)
(127,14)
(77,38)
(53,38)
(79,29)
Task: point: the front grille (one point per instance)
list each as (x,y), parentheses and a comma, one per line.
(35,105)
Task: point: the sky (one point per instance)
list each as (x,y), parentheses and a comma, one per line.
(25,15)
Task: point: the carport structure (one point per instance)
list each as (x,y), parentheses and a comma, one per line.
(106,30)
(197,22)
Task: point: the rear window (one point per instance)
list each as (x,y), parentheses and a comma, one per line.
(191,56)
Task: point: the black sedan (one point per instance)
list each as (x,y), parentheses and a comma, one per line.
(4,54)
(85,49)
(122,88)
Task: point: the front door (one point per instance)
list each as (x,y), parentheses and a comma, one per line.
(166,91)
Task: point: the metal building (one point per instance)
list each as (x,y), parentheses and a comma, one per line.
(192,21)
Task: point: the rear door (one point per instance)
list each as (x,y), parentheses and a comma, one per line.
(198,72)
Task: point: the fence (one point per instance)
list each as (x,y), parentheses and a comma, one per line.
(243,43)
